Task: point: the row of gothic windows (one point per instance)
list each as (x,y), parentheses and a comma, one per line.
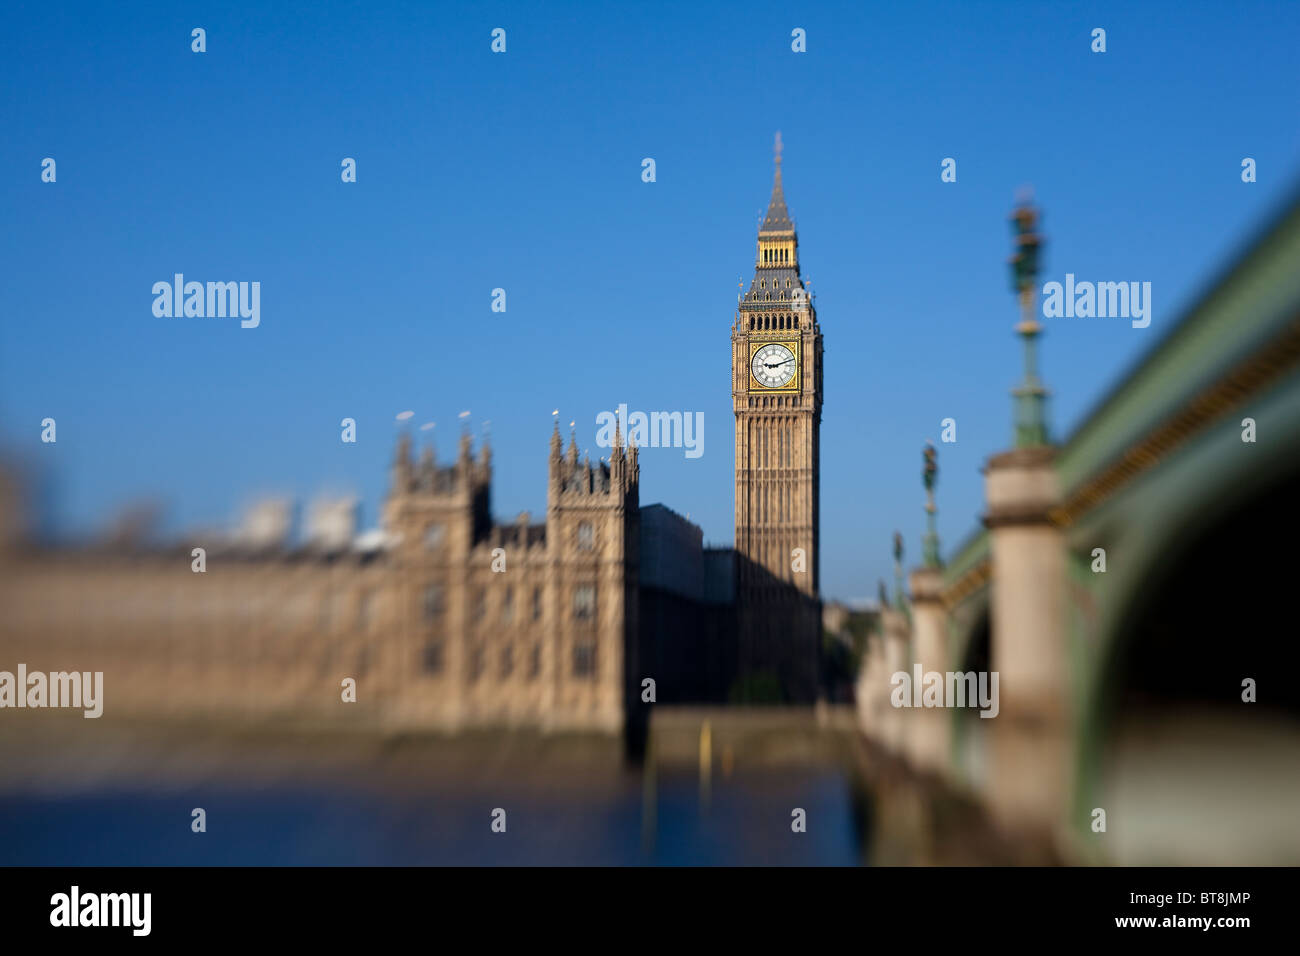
(584,603)
(762,284)
(435,534)
(759,322)
(773,440)
(583,663)
(775,256)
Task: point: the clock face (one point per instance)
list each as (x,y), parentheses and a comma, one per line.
(773,365)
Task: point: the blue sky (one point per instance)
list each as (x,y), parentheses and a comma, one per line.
(522,171)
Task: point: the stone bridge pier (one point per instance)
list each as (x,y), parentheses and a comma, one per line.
(1030,755)
(930,740)
(897,657)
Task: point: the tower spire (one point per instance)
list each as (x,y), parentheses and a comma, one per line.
(778,217)
(776,283)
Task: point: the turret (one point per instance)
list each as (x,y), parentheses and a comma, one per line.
(616,457)
(402,464)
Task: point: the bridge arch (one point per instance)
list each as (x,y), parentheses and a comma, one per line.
(1194,600)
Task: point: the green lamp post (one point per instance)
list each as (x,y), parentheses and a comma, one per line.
(929,476)
(900,600)
(1030,396)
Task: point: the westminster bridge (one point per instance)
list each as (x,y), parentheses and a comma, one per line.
(1129,586)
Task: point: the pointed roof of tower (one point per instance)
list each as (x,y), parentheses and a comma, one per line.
(778,217)
(776,282)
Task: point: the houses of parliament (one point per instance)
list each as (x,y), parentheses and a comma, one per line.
(451,620)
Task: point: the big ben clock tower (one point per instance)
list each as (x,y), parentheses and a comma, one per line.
(776,388)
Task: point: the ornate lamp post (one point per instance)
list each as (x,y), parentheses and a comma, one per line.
(1030,395)
(930,475)
(900,601)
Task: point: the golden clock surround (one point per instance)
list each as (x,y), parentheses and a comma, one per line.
(793,345)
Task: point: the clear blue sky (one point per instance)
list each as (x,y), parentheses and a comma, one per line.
(522,171)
